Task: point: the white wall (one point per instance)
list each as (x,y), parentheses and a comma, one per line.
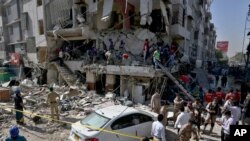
(35,13)
(2,55)
(16,33)
(14,13)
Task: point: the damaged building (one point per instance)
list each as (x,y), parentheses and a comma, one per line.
(103,41)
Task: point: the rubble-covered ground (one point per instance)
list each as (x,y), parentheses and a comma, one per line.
(74,104)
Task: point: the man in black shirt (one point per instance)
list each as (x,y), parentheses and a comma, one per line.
(19,107)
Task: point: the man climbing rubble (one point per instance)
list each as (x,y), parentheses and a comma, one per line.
(52,102)
(156,58)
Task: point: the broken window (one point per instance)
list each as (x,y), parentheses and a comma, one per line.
(123,122)
(39,2)
(40,27)
(189,24)
(130,120)
(158,24)
(196,35)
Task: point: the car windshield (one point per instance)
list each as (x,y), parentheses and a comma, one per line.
(95,120)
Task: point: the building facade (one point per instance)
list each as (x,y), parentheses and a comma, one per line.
(88,29)
(24,32)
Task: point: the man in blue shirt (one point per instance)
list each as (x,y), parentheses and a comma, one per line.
(14,135)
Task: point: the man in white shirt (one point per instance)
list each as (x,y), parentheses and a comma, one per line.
(236,112)
(226,125)
(158,129)
(182,119)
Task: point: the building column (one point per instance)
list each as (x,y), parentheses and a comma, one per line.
(91,80)
(110,81)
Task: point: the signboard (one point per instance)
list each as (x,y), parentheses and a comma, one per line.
(222,46)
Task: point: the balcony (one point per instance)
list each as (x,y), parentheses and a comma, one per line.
(178,31)
(189,11)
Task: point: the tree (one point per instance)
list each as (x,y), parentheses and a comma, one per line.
(218,54)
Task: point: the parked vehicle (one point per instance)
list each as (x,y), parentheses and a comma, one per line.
(120,119)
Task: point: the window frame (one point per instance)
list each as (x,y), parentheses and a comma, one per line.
(130,117)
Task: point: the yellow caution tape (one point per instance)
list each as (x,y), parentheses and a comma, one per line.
(66,122)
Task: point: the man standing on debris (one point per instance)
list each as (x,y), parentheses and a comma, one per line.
(145,51)
(61,57)
(51,100)
(156,58)
(19,107)
(156,102)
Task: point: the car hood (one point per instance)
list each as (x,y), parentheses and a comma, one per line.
(83,131)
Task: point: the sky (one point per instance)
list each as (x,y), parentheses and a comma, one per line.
(229,17)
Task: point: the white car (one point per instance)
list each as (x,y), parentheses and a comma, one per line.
(122,119)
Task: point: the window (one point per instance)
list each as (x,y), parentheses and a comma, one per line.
(8,10)
(122,122)
(11,30)
(40,27)
(95,120)
(39,3)
(130,120)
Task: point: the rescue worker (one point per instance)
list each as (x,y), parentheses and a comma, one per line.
(212,109)
(164,112)
(186,131)
(14,135)
(197,114)
(156,58)
(156,102)
(19,107)
(178,103)
(229,95)
(51,101)
(208,96)
(145,51)
(219,95)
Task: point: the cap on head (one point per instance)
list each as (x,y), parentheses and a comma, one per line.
(14,131)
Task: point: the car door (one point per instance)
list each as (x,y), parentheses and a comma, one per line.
(143,129)
(126,126)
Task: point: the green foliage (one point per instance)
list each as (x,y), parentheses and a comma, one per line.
(218,54)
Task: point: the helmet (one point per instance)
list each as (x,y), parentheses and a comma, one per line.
(14,131)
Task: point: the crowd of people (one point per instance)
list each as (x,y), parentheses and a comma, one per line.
(217,107)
